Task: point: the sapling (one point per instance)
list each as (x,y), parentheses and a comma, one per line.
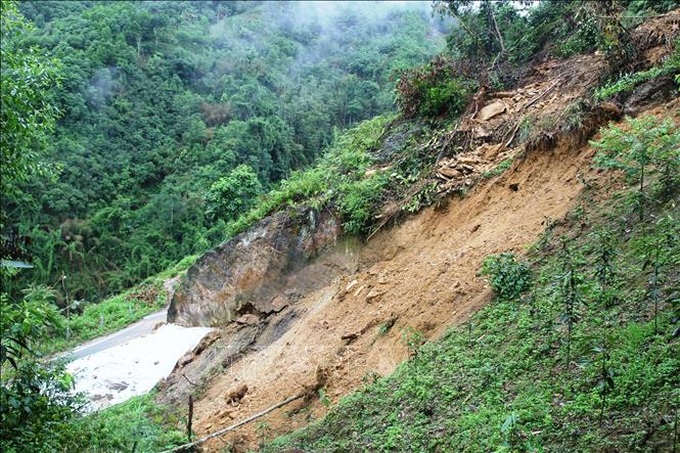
(655,280)
(605,381)
(648,143)
(605,253)
(571,297)
(660,257)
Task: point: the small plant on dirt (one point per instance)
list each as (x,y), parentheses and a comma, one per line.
(414,340)
(544,243)
(508,277)
(385,327)
(323,397)
(498,169)
(263,429)
(370,378)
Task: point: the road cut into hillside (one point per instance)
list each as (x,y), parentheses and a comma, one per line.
(116,368)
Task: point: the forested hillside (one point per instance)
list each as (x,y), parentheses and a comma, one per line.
(174,116)
(459,239)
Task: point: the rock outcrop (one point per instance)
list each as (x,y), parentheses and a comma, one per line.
(263,270)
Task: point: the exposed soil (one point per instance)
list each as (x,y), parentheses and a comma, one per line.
(422,274)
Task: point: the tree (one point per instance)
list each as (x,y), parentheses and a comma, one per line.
(233,194)
(27,115)
(34,395)
(649,145)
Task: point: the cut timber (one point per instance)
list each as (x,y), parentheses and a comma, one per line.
(448,173)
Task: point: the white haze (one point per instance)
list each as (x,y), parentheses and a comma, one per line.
(324,12)
(327,21)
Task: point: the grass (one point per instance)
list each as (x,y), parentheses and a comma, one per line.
(115,312)
(628,82)
(138,424)
(347,180)
(498,169)
(339,179)
(501,381)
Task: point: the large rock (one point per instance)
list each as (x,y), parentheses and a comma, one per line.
(264,269)
(494,109)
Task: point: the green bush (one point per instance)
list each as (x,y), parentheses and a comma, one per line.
(628,82)
(447,97)
(358,202)
(436,89)
(646,146)
(233,194)
(508,277)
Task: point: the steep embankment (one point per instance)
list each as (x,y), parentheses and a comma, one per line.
(421,275)
(352,321)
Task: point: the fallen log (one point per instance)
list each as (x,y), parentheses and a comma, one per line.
(191,445)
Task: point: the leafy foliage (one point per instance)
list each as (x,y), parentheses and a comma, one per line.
(437,89)
(650,145)
(27,116)
(233,194)
(508,277)
(497,382)
(35,397)
(628,82)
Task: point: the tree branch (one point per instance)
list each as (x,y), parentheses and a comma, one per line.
(202,440)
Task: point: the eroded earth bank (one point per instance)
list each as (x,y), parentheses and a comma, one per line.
(302,309)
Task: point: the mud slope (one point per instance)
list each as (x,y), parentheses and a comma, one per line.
(418,276)
(422,274)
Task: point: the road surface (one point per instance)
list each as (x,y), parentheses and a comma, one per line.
(130,362)
(138,329)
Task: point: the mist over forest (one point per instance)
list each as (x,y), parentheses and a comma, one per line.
(160,101)
(414,226)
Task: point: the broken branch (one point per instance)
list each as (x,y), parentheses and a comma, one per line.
(187,447)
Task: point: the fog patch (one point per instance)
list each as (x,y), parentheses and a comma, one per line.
(325,13)
(102,85)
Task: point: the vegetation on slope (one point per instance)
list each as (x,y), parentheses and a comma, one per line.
(146,210)
(160,101)
(577,353)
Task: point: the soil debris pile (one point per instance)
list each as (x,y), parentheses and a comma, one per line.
(520,159)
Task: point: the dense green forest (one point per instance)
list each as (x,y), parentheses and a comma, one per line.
(138,134)
(163,106)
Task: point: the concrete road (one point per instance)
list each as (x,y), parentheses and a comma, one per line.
(138,329)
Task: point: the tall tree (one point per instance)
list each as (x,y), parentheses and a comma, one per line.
(27,116)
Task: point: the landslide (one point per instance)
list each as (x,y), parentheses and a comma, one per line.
(412,281)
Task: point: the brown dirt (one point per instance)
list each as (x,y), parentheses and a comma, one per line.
(422,274)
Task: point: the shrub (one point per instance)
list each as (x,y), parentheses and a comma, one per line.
(233,194)
(645,146)
(358,202)
(436,89)
(508,277)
